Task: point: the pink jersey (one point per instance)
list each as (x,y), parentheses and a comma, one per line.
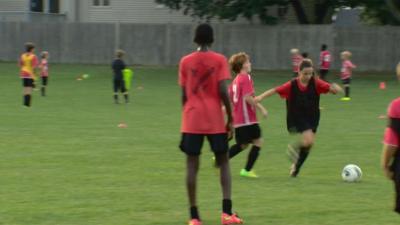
(391,137)
(244,114)
(44,68)
(325,60)
(347,67)
(296,60)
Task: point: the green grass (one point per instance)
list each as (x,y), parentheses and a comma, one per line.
(65,162)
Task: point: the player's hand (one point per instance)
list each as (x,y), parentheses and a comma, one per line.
(229,129)
(257,99)
(336,88)
(264,112)
(388,173)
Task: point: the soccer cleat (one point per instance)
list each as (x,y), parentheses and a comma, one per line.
(214,163)
(250,174)
(293,171)
(230,219)
(345,99)
(194,222)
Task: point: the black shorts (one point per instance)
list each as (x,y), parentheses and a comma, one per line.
(28,82)
(119,85)
(323,73)
(395,167)
(191,144)
(346,81)
(246,134)
(301,127)
(45,80)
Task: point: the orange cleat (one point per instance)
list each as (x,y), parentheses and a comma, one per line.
(230,219)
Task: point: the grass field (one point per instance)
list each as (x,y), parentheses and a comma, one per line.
(65,162)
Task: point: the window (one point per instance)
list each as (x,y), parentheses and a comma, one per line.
(101,2)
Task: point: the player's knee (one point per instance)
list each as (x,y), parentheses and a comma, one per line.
(244,146)
(258,142)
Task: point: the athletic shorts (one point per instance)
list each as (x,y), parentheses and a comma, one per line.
(395,167)
(191,144)
(323,73)
(28,82)
(45,80)
(300,128)
(246,134)
(346,81)
(119,85)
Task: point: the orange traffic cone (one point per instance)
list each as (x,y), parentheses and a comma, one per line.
(382,85)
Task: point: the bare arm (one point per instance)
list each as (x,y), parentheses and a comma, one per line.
(223,92)
(265,95)
(335,88)
(263,110)
(388,153)
(250,100)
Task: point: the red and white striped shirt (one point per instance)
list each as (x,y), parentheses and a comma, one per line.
(244,114)
(296,60)
(346,70)
(44,68)
(325,60)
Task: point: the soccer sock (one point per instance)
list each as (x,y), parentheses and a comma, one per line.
(347,91)
(234,150)
(194,213)
(303,154)
(43,91)
(227,206)
(27,100)
(252,158)
(126,98)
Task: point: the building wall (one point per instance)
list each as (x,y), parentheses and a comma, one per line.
(14,5)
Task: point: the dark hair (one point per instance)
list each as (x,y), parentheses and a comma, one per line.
(204,34)
(305,64)
(29,46)
(324,47)
(304,54)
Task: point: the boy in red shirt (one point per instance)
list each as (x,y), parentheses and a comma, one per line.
(391,154)
(247,130)
(324,62)
(346,72)
(302,100)
(203,77)
(44,71)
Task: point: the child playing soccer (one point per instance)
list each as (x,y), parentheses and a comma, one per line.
(296,60)
(28,63)
(118,65)
(203,75)
(302,96)
(346,72)
(324,62)
(391,154)
(44,71)
(247,130)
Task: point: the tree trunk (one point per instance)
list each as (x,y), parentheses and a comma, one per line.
(300,13)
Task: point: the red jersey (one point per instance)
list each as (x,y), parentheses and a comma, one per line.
(391,137)
(284,90)
(325,60)
(200,74)
(44,68)
(296,60)
(28,62)
(346,70)
(244,114)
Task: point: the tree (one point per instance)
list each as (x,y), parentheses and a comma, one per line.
(306,11)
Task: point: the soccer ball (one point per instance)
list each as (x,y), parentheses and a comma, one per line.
(351,173)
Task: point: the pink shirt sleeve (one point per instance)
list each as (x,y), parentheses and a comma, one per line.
(391,138)
(349,64)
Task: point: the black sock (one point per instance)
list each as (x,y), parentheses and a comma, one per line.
(194,213)
(303,154)
(126,98)
(227,206)
(347,91)
(43,91)
(252,158)
(234,150)
(116,98)
(27,100)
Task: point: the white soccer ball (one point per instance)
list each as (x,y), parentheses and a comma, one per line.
(351,173)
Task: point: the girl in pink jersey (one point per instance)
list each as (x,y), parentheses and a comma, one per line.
(296,60)
(247,130)
(346,72)
(44,71)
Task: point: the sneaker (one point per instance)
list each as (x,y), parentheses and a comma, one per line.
(345,99)
(194,222)
(250,174)
(293,172)
(230,219)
